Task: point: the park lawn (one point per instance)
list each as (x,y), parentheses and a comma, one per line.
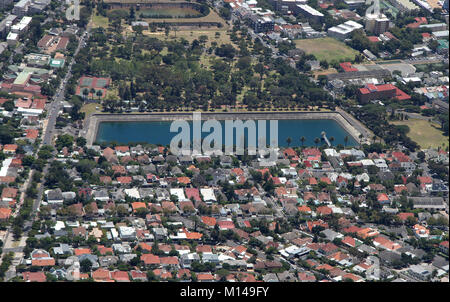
(425,133)
(164,51)
(205,61)
(328,49)
(192,34)
(90,108)
(99,21)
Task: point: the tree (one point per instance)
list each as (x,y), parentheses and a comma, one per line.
(28,160)
(421,156)
(289,141)
(8,105)
(167,31)
(316,141)
(81,141)
(302,139)
(85,92)
(99,94)
(132,15)
(64,140)
(121,211)
(85,265)
(324,64)
(17,231)
(151,275)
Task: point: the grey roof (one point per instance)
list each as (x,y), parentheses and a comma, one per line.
(92,258)
(127,257)
(388,256)
(63,248)
(286,276)
(380,73)
(54,194)
(427,201)
(270,278)
(440,262)
(210,257)
(330,234)
(108,260)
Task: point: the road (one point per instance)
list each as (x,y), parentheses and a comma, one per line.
(254,36)
(427,60)
(52,114)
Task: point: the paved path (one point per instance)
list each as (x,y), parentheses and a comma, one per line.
(357,124)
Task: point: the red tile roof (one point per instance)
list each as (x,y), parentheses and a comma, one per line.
(138,205)
(34,276)
(347,66)
(150,259)
(81,251)
(120,276)
(43,262)
(225,224)
(101,275)
(210,221)
(169,260)
(124,179)
(404,216)
(5,213)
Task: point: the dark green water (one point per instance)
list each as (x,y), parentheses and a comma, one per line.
(158,132)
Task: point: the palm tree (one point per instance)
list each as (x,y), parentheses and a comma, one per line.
(302,139)
(289,141)
(346,140)
(99,93)
(85,92)
(360,139)
(331,139)
(317,141)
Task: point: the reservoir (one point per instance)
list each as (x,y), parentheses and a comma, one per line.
(158,132)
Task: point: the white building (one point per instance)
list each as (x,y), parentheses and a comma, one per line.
(133,193)
(381,164)
(179,193)
(127,233)
(12,38)
(22,26)
(208,195)
(343,31)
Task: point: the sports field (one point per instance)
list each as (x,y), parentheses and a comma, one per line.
(424,133)
(328,49)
